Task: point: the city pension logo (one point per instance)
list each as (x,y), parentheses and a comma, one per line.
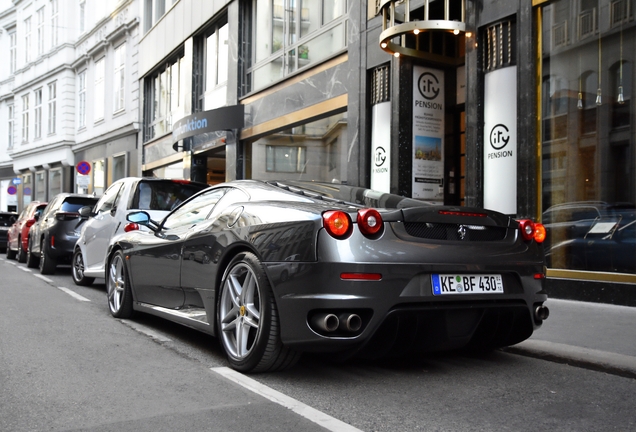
(499,138)
(380,158)
(429,88)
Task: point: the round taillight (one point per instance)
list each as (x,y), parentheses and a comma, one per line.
(539,232)
(369,221)
(337,223)
(131,226)
(526,226)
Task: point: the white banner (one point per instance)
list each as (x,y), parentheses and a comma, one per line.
(428,134)
(500,140)
(381,147)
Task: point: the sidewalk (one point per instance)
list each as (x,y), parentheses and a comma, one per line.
(591,335)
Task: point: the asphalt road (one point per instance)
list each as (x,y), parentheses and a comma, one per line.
(66,364)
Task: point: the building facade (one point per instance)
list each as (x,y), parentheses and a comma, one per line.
(70,94)
(521,106)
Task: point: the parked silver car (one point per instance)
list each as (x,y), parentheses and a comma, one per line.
(155,196)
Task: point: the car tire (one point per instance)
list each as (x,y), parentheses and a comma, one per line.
(247,319)
(10,253)
(47,263)
(77,267)
(31,260)
(118,287)
(21,252)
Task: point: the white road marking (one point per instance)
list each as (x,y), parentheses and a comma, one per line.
(44,278)
(145,330)
(312,414)
(73,294)
(28,270)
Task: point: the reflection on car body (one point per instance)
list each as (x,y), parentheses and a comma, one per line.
(275,269)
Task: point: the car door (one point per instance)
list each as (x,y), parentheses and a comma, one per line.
(100,228)
(203,248)
(156,262)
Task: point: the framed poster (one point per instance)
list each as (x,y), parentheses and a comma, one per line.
(428,134)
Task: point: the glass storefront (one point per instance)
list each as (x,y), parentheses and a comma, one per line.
(588,140)
(313,151)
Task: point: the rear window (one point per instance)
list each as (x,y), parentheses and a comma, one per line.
(73,204)
(7,220)
(163,195)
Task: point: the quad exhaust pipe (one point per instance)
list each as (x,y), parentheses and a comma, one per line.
(329,322)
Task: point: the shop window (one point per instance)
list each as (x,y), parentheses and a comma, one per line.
(99,177)
(286,159)
(163,99)
(621,74)
(40,186)
(289,35)
(27,189)
(311,151)
(588,187)
(119,167)
(55,182)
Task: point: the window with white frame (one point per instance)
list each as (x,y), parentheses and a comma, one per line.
(37,114)
(13,53)
(10,128)
(27,40)
(81,102)
(54,22)
(99,90)
(25,118)
(82,16)
(40,36)
(120,77)
(52,107)
(154,10)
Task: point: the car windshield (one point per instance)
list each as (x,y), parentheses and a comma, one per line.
(73,204)
(163,195)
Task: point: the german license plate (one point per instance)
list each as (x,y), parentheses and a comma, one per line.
(444,284)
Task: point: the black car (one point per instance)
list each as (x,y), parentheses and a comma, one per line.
(275,269)
(6,220)
(52,239)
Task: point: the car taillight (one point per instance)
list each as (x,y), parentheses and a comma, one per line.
(337,223)
(131,226)
(369,221)
(539,232)
(532,231)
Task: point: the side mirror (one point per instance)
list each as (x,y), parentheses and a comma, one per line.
(86,212)
(139,217)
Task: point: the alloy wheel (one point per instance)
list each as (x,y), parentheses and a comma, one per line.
(240,311)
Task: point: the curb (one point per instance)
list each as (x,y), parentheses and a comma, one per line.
(612,363)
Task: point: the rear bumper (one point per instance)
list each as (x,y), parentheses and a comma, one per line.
(401,306)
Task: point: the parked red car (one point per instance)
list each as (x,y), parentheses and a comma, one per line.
(18,236)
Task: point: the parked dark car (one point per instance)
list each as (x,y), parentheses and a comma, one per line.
(365,272)
(18,235)
(6,220)
(53,237)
